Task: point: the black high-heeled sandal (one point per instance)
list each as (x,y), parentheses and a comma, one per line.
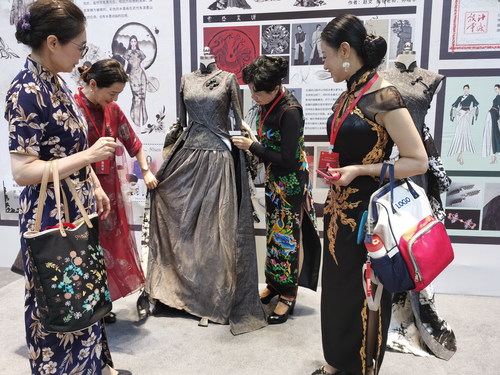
(277,318)
(322,371)
(272,293)
(142,304)
(110,318)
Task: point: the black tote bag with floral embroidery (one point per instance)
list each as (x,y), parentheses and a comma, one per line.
(68,266)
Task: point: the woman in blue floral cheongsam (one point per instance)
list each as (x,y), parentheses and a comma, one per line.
(45,124)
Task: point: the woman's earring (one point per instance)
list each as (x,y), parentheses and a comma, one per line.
(346,65)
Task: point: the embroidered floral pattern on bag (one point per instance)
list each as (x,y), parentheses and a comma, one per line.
(73,272)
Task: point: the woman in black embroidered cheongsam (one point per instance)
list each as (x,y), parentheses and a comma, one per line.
(292,240)
(369,117)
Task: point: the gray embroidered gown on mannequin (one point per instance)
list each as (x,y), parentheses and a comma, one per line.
(202,255)
(416,326)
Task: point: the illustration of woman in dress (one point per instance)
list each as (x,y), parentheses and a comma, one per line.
(223,4)
(463,112)
(316,53)
(300,45)
(491,133)
(138,82)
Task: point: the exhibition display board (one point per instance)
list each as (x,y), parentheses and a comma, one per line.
(456,38)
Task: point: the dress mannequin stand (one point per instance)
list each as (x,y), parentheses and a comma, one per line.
(202,256)
(415,325)
(418,86)
(407,58)
(206,61)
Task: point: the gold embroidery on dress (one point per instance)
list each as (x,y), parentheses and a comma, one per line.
(376,155)
(379,341)
(364,323)
(336,205)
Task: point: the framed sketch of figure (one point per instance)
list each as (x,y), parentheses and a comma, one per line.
(491,132)
(463,113)
(134,45)
(300,46)
(316,57)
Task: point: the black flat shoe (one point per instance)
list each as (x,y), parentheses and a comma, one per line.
(278,319)
(110,318)
(272,293)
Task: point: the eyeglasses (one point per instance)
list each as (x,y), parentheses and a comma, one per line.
(83,49)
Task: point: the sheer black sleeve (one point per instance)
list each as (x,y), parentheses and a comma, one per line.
(384,100)
(292,124)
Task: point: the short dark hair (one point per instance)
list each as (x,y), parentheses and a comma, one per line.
(104,72)
(61,18)
(266,72)
(466,85)
(349,28)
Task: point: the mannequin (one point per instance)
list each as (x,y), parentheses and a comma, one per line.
(407,57)
(206,60)
(202,256)
(418,87)
(414,317)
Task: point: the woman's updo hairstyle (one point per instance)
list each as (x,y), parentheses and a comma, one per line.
(104,72)
(61,18)
(348,28)
(266,72)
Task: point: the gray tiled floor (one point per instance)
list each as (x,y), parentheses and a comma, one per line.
(174,344)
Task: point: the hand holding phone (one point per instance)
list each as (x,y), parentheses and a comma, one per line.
(327,176)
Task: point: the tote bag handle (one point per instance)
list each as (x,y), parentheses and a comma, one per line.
(52,166)
(42,195)
(388,165)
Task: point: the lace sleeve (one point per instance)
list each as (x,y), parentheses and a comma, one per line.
(383,100)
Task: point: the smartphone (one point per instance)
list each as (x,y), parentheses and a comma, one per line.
(328,176)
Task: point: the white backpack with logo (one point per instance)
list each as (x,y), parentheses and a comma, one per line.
(418,247)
